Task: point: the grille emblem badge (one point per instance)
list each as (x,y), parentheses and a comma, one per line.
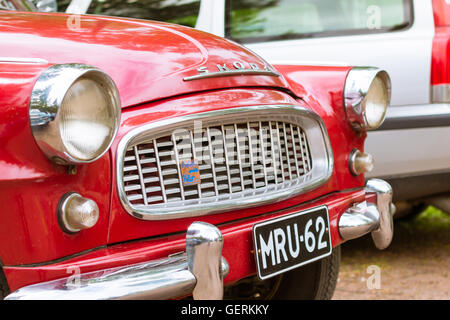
(190,172)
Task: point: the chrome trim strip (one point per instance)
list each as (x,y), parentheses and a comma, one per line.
(319,174)
(440,93)
(309,63)
(23,60)
(248,72)
(417,116)
(199,271)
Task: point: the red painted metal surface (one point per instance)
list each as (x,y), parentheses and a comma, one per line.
(238,246)
(31,185)
(148,61)
(440,60)
(441,13)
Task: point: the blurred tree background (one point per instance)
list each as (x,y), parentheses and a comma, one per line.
(182,12)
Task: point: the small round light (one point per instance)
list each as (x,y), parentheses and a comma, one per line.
(367,95)
(360,162)
(76,213)
(74,113)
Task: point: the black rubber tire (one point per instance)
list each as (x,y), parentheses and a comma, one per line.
(314,281)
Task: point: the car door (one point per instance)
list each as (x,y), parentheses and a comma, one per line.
(395,35)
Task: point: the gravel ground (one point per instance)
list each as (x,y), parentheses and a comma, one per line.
(416,265)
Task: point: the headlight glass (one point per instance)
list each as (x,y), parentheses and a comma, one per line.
(376,103)
(87,122)
(74,113)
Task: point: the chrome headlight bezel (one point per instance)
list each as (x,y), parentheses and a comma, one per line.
(357,87)
(47,98)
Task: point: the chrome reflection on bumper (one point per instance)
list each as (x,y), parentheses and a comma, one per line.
(364,217)
(199,271)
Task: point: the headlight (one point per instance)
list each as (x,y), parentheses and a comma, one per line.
(74,113)
(367,95)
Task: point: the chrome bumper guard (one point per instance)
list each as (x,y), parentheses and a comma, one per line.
(364,217)
(199,271)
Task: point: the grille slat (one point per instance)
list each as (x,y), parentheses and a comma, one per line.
(213,174)
(195,157)
(251,154)
(236,158)
(140,174)
(239,155)
(177,159)
(280,154)
(161,178)
(226,159)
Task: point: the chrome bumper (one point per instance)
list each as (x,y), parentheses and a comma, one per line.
(199,271)
(364,217)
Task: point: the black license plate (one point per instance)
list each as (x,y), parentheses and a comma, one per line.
(283,244)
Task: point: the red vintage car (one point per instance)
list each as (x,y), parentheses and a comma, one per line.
(147,160)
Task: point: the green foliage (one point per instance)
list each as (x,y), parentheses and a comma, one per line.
(180,12)
(433,218)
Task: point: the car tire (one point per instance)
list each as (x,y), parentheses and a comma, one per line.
(314,281)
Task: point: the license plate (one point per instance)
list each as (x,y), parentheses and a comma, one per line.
(283,244)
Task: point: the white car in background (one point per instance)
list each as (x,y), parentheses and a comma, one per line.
(407,38)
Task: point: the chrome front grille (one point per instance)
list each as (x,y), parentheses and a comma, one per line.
(244,157)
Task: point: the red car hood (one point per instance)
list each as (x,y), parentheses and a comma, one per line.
(147,60)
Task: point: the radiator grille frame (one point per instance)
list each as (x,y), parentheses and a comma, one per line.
(311,126)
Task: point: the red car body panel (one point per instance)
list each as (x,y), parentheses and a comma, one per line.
(148,61)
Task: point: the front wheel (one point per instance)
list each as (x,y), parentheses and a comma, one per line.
(314,281)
